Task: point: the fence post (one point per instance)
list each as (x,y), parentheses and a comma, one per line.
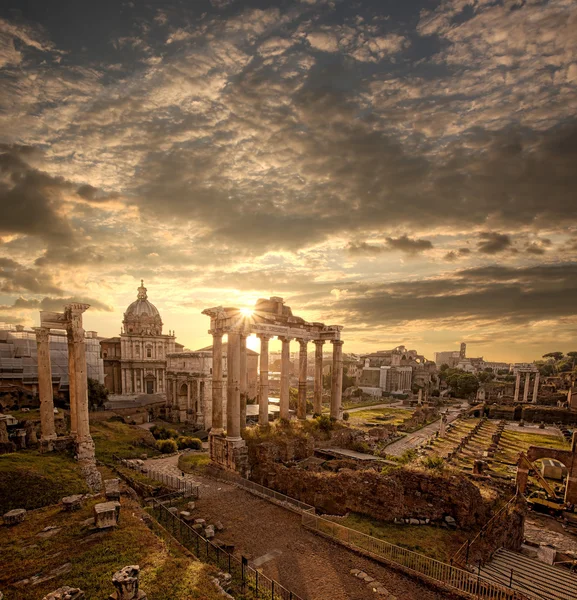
(243,563)
(467,552)
(256,582)
(511,579)
(272,590)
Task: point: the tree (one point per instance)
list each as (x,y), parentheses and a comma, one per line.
(554,355)
(97,393)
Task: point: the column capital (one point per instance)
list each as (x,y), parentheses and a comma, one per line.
(42,333)
(75,335)
(303,344)
(215,332)
(264,336)
(319,342)
(337,342)
(284,339)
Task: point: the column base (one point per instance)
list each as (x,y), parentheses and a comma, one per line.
(229,453)
(85,450)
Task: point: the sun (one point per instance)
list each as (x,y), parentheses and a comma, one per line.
(246,312)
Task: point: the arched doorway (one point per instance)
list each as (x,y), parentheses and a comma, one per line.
(183,396)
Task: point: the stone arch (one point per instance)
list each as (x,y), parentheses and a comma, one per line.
(182,395)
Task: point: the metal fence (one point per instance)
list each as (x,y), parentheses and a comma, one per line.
(247,580)
(189,489)
(452,577)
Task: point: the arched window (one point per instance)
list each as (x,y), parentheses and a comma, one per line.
(149,352)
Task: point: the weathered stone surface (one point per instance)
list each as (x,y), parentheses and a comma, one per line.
(127,585)
(66,593)
(112,489)
(200,522)
(209,532)
(13,517)
(106,515)
(191,506)
(173,510)
(219,526)
(72,502)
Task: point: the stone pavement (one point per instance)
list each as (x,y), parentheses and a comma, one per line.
(307,564)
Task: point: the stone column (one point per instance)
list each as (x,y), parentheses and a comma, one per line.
(72,384)
(318,389)
(243,383)
(517,386)
(233,388)
(337,380)
(264,387)
(188,404)
(216,383)
(536,387)
(526,387)
(420,397)
(48,431)
(284,378)
(302,399)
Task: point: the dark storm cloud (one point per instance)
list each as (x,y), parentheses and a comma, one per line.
(15,278)
(492,242)
(496,294)
(402,244)
(54,304)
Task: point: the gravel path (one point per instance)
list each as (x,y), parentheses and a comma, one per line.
(307,564)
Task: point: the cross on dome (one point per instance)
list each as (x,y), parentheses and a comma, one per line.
(142,291)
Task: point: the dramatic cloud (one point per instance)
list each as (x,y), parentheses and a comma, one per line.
(493,243)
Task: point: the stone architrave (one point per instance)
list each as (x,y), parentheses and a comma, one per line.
(243,382)
(302,390)
(517,387)
(47,428)
(233,388)
(284,378)
(217,423)
(337,380)
(264,385)
(318,389)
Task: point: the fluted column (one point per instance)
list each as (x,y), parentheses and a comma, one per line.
(302,398)
(243,383)
(318,389)
(337,380)
(526,387)
(216,383)
(233,388)
(284,378)
(264,386)
(47,429)
(72,384)
(536,386)
(517,386)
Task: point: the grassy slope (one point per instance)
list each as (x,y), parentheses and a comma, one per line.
(166,572)
(30,480)
(435,542)
(397,415)
(126,441)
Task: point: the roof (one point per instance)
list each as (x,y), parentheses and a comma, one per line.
(224,346)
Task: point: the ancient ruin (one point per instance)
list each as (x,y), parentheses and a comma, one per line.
(269,318)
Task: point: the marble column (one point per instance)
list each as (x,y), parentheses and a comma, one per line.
(536,387)
(233,388)
(264,386)
(337,380)
(420,397)
(216,383)
(72,384)
(243,383)
(517,386)
(318,389)
(302,397)
(284,378)
(188,404)
(526,387)
(47,428)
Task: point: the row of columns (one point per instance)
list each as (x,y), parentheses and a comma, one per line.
(237,381)
(526,386)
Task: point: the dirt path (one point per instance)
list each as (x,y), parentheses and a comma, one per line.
(305,563)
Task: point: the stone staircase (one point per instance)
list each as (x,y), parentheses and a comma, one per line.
(530,576)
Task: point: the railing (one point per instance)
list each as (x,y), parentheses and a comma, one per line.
(247,580)
(465,582)
(468,549)
(189,489)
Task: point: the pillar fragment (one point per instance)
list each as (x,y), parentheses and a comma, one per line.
(233,388)
(47,428)
(284,378)
(536,387)
(517,386)
(526,387)
(217,423)
(337,380)
(264,385)
(318,389)
(243,383)
(302,390)
(71,384)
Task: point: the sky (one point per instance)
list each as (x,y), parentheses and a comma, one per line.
(405,169)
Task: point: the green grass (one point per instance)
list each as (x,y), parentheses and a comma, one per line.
(191,462)
(396,415)
(167,573)
(30,480)
(125,441)
(435,542)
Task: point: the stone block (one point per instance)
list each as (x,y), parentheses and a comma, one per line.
(66,593)
(200,522)
(547,554)
(173,510)
(70,503)
(13,517)
(209,532)
(219,526)
(112,489)
(191,506)
(106,515)
(126,583)
(198,527)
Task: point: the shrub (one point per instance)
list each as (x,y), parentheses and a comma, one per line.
(346,416)
(189,442)
(433,462)
(325,423)
(167,446)
(162,433)
(362,447)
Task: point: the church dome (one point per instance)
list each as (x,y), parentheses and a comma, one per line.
(142,317)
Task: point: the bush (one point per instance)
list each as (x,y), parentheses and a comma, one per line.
(325,423)
(433,462)
(362,447)
(189,442)
(167,446)
(162,433)
(346,416)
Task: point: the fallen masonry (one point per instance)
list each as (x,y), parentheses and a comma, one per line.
(15,516)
